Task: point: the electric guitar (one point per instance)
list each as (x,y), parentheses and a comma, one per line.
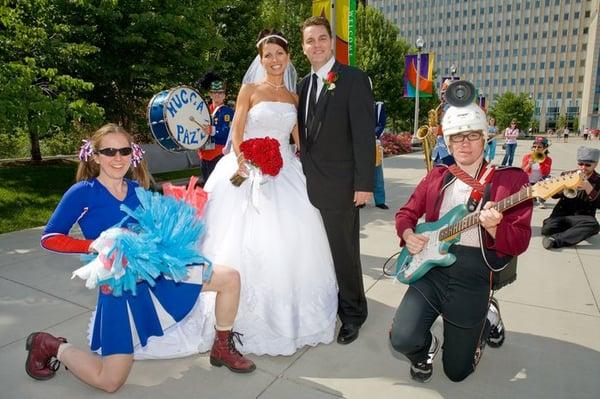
(446,231)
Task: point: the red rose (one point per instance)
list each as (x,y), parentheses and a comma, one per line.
(331,77)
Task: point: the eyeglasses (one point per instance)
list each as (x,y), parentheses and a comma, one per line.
(538,146)
(459,138)
(584,164)
(111,152)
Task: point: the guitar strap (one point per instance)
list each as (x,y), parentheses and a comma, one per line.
(478,186)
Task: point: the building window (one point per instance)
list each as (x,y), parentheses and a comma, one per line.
(580,79)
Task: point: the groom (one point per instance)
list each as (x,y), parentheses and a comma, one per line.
(337,150)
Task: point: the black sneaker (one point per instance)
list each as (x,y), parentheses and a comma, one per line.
(497,333)
(548,242)
(423,371)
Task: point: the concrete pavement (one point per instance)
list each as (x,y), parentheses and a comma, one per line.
(551,312)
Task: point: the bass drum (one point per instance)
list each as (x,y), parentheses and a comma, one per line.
(175,118)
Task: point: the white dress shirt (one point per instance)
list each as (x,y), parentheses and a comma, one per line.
(322,75)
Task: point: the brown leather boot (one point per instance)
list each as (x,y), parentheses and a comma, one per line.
(224,353)
(42,347)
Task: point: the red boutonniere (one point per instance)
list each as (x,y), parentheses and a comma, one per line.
(330,80)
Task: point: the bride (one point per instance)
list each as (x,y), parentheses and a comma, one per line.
(277,241)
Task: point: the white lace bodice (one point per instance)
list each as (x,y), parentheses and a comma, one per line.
(273,119)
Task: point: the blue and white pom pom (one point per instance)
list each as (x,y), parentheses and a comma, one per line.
(164,241)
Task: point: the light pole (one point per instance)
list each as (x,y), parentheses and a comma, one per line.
(419,44)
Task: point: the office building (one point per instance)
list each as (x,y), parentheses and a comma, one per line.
(547,49)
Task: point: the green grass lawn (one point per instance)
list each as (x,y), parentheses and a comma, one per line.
(29,193)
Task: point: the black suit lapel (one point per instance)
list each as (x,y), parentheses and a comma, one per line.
(322,102)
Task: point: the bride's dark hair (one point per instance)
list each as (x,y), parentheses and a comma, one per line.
(271,36)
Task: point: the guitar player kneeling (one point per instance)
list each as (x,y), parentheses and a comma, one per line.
(461,292)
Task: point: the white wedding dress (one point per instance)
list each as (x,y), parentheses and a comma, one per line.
(276,239)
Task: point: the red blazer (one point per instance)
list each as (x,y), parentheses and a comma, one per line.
(513,232)
(545,167)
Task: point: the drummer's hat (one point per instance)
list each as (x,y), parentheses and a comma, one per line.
(217,85)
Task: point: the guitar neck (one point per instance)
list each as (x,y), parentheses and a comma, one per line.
(472,219)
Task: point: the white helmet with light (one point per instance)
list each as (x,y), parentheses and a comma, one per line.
(464,119)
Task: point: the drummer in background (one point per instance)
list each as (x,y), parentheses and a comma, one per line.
(221,116)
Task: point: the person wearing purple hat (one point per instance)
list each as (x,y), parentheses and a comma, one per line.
(573,219)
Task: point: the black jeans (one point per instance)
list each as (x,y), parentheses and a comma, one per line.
(461,294)
(208,167)
(570,230)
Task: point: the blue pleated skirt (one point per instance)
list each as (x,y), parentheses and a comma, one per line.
(123,322)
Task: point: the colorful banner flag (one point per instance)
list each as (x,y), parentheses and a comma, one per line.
(345,26)
(425,75)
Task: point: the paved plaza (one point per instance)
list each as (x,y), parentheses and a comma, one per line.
(551,313)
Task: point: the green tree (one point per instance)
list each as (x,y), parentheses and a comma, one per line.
(144,47)
(36,95)
(562,121)
(535,125)
(381,54)
(511,106)
(288,17)
(575,122)
(237,26)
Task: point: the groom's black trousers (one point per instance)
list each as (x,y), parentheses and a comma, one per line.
(343,227)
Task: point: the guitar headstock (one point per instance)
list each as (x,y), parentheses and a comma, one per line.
(547,188)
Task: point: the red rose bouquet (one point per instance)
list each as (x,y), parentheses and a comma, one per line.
(262,154)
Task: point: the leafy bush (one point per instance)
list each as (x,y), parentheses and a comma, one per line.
(14,145)
(394,144)
(60,143)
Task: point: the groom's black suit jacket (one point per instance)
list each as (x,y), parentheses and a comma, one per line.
(338,147)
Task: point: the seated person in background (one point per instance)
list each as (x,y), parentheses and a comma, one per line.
(574,219)
(537,164)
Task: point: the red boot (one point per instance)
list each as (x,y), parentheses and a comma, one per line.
(224,353)
(42,347)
